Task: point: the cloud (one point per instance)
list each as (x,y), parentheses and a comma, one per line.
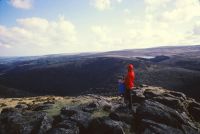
(156,3)
(173,10)
(159,22)
(40,35)
(196,28)
(100,31)
(127,11)
(104,38)
(166,22)
(22,4)
(104,4)
(184,10)
(100,37)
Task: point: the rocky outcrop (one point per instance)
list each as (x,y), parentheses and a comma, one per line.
(15,121)
(155,117)
(106,126)
(155,110)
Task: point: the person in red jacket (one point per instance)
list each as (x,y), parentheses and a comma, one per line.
(129,83)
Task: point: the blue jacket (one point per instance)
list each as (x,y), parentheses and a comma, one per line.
(121,88)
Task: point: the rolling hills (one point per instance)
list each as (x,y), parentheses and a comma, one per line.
(174,68)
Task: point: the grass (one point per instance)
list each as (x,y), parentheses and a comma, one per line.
(99,113)
(67,101)
(60,102)
(55,110)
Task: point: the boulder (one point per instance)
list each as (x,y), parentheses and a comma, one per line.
(171,102)
(151,111)
(60,131)
(104,103)
(49,102)
(151,92)
(152,127)
(45,123)
(107,108)
(67,124)
(180,95)
(2,105)
(194,110)
(40,107)
(125,117)
(81,118)
(137,96)
(172,99)
(91,107)
(9,110)
(105,126)
(16,121)
(22,106)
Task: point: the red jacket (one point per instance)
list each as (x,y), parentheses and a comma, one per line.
(130,77)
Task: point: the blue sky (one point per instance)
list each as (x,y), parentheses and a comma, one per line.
(37,27)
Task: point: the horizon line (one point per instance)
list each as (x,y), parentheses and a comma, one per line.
(95,52)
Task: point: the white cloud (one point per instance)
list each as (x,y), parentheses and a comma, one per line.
(105,38)
(156,3)
(119,1)
(166,22)
(40,35)
(100,31)
(173,10)
(127,11)
(184,10)
(160,22)
(101,38)
(104,4)
(7,46)
(23,4)
(196,28)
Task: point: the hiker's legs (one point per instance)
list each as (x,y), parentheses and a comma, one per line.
(129,99)
(126,96)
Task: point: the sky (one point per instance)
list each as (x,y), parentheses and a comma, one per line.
(39,27)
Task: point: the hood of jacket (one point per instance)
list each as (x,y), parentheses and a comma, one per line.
(130,67)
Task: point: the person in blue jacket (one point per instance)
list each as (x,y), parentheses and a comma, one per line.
(121,86)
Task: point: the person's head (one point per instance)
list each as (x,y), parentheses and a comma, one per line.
(120,79)
(130,67)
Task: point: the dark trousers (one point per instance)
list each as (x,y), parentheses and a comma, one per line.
(129,98)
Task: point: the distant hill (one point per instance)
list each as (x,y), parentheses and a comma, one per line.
(165,50)
(6,92)
(174,68)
